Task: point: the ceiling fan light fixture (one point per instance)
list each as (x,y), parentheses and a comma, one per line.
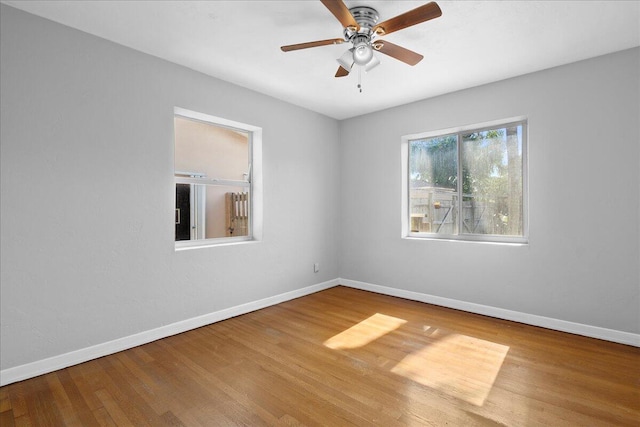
(362,53)
(372,64)
(346,60)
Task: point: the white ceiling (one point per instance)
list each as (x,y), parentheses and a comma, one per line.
(472,43)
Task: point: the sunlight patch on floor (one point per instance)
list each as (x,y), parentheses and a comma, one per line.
(458,365)
(365,332)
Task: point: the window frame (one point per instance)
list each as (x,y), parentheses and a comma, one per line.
(253,182)
(458,132)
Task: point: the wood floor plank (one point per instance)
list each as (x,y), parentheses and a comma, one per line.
(40,402)
(344,357)
(7,418)
(103,418)
(70,413)
(116,413)
(17,393)
(23,421)
(170,419)
(143,384)
(117,383)
(87,378)
(5,400)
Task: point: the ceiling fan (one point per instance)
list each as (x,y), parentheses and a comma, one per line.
(362,30)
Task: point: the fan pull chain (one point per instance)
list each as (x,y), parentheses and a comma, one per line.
(360,79)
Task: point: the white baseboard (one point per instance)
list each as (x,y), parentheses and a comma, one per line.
(40,367)
(51,364)
(500,313)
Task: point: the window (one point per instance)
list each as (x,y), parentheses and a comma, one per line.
(467,184)
(215,180)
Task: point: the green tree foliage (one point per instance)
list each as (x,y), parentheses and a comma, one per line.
(483,168)
(434,162)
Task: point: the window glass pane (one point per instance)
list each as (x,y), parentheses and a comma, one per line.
(492,182)
(211,211)
(206,150)
(433,176)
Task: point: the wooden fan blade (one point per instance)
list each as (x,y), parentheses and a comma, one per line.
(407,19)
(311,44)
(341,12)
(400,53)
(342,72)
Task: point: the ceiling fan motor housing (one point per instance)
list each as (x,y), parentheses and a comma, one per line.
(367,18)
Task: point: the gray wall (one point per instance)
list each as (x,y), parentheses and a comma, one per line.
(87,190)
(582,261)
(87,253)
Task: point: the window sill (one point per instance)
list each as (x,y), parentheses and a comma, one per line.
(188,244)
(519,242)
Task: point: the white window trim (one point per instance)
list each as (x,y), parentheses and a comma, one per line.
(253,182)
(406,232)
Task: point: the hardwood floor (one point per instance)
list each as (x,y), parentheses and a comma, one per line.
(344,357)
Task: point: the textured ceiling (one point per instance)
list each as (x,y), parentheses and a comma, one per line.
(472,43)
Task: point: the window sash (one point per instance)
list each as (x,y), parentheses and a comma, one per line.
(459,233)
(212,181)
(221,240)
